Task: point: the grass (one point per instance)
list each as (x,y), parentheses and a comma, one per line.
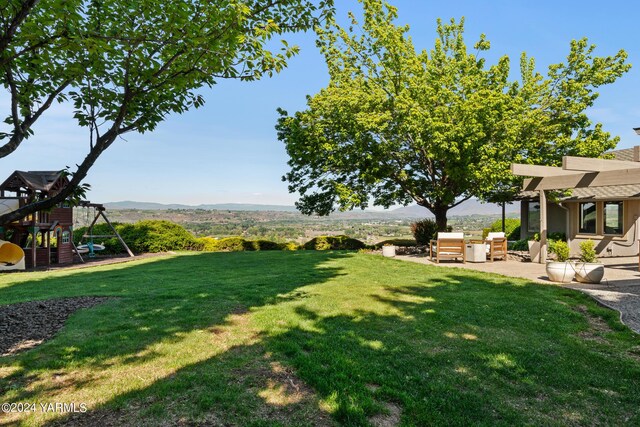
(303,338)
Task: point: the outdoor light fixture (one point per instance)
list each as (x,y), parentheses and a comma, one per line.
(637,130)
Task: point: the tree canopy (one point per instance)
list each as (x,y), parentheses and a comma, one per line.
(126,65)
(396,125)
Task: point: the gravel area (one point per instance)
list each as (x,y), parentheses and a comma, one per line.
(623,297)
(27,324)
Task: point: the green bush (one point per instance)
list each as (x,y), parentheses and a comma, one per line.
(232,244)
(519,245)
(550,236)
(588,251)
(557,236)
(238,244)
(207,244)
(425,230)
(324,243)
(143,236)
(264,245)
(157,236)
(511,228)
(561,249)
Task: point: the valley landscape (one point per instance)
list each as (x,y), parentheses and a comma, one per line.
(284,223)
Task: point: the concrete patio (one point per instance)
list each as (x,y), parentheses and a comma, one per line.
(620,289)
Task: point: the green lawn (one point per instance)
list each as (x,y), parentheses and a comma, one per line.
(302,338)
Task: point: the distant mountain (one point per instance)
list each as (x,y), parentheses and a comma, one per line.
(220,206)
(470,207)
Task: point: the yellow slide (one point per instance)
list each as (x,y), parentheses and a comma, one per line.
(11,256)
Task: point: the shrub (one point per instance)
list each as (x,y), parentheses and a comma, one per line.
(425,230)
(238,244)
(588,251)
(511,228)
(207,244)
(157,236)
(232,244)
(519,245)
(561,249)
(262,245)
(550,236)
(323,243)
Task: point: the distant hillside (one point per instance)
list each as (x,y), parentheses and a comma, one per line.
(470,207)
(220,206)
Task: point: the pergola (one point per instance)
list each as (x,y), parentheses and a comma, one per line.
(576,172)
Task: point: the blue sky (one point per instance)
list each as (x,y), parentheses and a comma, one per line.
(227,151)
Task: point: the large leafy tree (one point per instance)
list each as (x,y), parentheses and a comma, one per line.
(437,127)
(126,65)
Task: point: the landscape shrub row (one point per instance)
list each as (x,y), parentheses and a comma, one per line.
(141,237)
(161,236)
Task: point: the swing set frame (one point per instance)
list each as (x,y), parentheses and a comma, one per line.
(99,210)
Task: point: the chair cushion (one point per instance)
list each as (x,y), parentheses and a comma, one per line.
(491,235)
(451,235)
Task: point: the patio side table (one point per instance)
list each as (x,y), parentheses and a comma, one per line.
(476,252)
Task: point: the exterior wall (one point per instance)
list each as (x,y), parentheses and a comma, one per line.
(607,245)
(556,219)
(42,257)
(62,215)
(65,250)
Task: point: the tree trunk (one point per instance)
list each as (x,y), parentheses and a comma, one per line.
(441,217)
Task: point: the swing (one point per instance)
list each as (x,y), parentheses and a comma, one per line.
(90,246)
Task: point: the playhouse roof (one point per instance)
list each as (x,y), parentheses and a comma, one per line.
(44,181)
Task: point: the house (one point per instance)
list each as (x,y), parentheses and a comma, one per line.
(45,236)
(602,203)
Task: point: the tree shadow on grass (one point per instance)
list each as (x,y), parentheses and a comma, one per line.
(457,349)
(449,348)
(158,302)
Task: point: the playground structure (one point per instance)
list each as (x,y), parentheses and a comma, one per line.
(45,237)
(91,247)
(11,256)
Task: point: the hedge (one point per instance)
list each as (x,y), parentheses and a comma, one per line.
(324,243)
(163,236)
(143,236)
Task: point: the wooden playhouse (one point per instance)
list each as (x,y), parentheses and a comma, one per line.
(45,236)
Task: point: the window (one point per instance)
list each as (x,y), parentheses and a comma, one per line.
(587,220)
(533,218)
(613,218)
(65,237)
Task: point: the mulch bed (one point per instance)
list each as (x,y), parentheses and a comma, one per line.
(25,325)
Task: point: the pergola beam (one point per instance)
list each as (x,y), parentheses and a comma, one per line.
(570,163)
(584,180)
(537,170)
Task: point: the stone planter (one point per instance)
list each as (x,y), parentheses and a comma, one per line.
(389,251)
(562,272)
(589,272)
